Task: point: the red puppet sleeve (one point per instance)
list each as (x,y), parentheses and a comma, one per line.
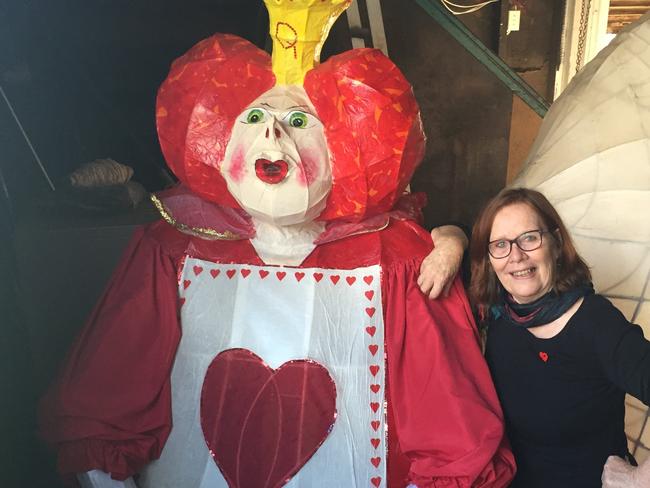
(444,407)
(110,408)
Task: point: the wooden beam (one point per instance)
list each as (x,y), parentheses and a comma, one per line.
(625,3)
(637,9)
(623,18)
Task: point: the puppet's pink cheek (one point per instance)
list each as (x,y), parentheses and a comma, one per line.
(310,168)
(237,162)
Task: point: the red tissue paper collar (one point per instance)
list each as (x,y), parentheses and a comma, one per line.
(193,215)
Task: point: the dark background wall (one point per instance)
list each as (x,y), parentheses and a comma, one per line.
(82,76)
(534,53)
(466,111)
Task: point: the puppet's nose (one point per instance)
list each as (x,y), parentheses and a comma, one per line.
(276,131)
(273,131)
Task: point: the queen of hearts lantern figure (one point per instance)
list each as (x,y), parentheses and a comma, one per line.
(269,331)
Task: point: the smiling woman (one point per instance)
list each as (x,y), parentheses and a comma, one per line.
(562,358)
(525,269)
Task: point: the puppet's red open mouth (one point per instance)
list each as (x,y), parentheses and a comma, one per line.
(271,171)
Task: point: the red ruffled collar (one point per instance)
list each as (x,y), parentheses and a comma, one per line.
(192,215)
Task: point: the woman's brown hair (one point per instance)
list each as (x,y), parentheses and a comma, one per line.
(571,269)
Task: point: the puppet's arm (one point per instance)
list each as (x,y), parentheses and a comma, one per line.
(446,412)
(110,407)
(100,479)
(439,268)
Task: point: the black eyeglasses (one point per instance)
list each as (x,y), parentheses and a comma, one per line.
(528,241)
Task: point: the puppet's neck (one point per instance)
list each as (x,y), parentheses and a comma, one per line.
(285,245)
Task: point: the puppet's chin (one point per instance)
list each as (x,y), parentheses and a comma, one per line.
(281,205)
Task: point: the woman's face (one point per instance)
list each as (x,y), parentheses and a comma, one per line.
(526,275)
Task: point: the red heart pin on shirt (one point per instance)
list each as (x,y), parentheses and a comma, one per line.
(543,356)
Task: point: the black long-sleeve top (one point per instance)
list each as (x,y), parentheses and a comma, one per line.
(563,397)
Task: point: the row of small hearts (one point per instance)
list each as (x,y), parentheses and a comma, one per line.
(281,275)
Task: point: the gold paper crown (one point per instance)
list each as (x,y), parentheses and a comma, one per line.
(299,29)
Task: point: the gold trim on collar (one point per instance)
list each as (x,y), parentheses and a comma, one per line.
(203,232)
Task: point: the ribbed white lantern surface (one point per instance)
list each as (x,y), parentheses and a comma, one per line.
(591,159)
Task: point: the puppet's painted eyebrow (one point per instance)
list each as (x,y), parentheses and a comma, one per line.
(302,107)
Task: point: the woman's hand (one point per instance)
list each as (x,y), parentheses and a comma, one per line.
(618,473)
(439,268)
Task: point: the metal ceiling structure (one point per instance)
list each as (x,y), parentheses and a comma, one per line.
(491,61)
(623,12)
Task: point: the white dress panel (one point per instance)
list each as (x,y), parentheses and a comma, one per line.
(333,317)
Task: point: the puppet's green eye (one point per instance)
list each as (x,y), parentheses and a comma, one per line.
(298,120)
(255,116)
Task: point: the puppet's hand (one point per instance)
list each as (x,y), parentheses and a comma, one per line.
(439,268)
(100,479)
(617,473)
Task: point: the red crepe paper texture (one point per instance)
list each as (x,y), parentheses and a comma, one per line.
(206,89)
(373,131)
(372,123)
(263,425)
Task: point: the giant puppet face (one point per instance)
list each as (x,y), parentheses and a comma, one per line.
(363,126)
(276,163)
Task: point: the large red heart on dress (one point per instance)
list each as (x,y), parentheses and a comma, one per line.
(262,425)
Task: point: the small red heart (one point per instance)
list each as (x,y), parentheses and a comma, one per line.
(182,301)
(263,273)
(375,461)
(231,273)
(375,388)
(376,481)
(186,283)
(367,279)
(373,349)
(350,280)
(280,275)
(197,270)
(375,443)
(370,294)
(543,356)
(215,272)
(299,275)
(374,406)
(374,369)
(245,272)
(318,277)
(370,311)
(371,330)
(335,279)
(375,425)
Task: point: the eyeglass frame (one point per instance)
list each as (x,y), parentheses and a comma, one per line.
(514,241)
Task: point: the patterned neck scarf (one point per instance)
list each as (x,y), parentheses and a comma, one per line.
(542,311)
